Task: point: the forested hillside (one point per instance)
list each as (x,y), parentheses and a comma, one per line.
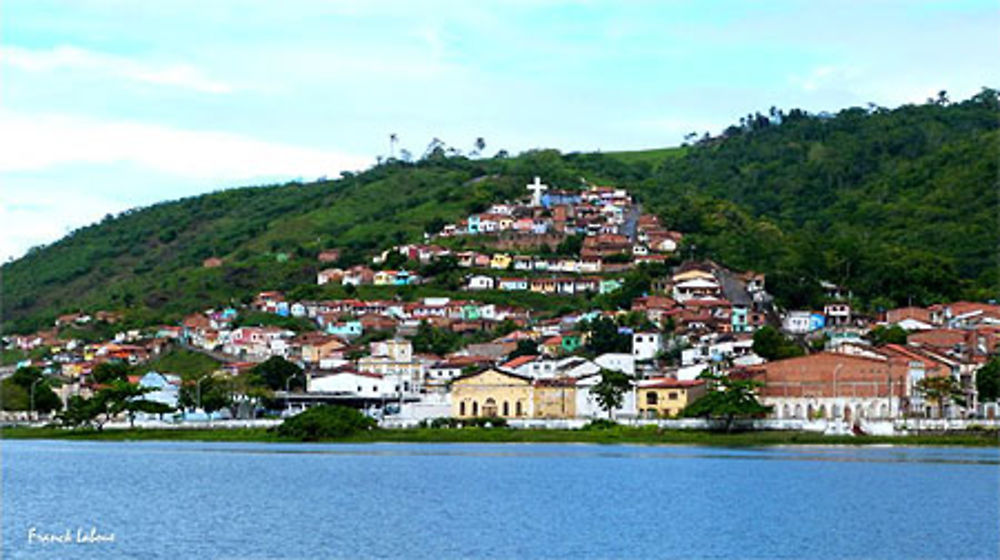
(894,204)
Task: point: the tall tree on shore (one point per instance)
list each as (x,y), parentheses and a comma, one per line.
(727,398)
(610,390)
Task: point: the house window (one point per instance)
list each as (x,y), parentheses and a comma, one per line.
(461,408)
(672,396)
(475,408)
(374,389)
(359,388)
(651,398)
(517,409)
(506,408)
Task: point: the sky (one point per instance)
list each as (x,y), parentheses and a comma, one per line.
(107,105)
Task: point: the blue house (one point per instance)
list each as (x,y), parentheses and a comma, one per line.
(347,329)
(474,224)
(281,308)
(552,198)
(739,319)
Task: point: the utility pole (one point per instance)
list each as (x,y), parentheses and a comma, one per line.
(31,405)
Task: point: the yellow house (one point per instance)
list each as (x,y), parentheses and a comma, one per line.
(664,398)
(321,348)
(555,398)
(384,278)
(500,261)
(491,392)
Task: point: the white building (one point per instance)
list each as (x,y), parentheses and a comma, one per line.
(587,405)
(797,322)
(646,345)
(365,385)
(481,282)
(614,361)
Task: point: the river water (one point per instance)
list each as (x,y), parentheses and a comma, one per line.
(247,500)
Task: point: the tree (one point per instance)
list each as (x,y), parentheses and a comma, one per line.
(122,396)
(16,391)
(525,347)
(275,372)
(770,344)
(106,372)
(208,392)
(881,335)
(605,337)
(941,390)
(727,398)
(79,412)
(610,390)
(988,381)
(325,422)
(434,340)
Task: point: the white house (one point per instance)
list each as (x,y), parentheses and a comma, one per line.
(646,345)
(587,405)
(796,322)
(481,282)
(513,284)
(615,361)
(365,385)
(166,388)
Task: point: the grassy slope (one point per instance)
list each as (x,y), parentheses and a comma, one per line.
(894,203)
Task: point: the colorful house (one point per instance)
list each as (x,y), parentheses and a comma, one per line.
(665,397)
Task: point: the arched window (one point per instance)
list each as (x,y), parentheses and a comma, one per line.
(883,411)
(798,411)
(490,407)
(475,408)
(786,411)
(461,408)
(518,411)
(506,408)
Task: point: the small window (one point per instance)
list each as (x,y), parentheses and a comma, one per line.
(461,408)
(374,389)
(359,388)
(651,398)
(672,396)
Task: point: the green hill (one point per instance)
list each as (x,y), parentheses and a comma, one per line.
(894,204)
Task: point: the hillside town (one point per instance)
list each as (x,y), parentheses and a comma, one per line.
(426,358)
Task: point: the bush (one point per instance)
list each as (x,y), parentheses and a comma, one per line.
(325,422)
(601,424)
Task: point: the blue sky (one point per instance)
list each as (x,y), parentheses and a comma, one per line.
(107,105)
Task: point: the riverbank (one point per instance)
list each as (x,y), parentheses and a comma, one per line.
(623,434)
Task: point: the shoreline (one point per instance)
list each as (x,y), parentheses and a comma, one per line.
(625,435)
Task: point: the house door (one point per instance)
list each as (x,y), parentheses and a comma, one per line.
(490,407)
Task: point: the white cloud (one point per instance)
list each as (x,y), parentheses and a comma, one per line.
(29,220)
(37,142)
(75,59)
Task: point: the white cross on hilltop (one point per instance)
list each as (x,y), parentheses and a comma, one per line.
(537,188)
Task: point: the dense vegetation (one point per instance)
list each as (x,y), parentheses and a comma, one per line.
(325,422)
(896,205)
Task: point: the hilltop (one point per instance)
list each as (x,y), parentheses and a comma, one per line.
(896,205)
